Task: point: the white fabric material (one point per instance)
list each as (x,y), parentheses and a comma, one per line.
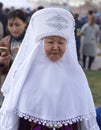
(51,93)
(89,125)
(9,122)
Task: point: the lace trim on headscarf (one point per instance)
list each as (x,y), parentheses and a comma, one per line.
(55,124)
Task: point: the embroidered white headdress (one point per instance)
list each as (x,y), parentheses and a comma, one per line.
(51,93)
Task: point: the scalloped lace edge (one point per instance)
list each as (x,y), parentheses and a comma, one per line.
(56,124)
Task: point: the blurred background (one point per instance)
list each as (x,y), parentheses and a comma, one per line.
(75,5)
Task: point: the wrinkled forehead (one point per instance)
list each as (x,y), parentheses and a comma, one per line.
(49,22)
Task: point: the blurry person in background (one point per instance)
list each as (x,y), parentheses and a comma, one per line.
(90,32)
(77,34)
(3,19)
(16,25)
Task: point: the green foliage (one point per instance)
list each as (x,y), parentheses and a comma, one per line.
(94,80)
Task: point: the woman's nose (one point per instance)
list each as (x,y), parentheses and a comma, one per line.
(13,28)
(55,45)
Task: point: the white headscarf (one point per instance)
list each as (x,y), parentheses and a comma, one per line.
(51,93)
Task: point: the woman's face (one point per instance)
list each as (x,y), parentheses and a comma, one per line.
(55,47)
(16,26)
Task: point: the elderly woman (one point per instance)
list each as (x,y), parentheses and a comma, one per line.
(46,88)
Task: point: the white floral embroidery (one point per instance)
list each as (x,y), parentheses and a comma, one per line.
(58,22)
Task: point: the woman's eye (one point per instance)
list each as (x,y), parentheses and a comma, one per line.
(50,42)
(60,42)
(17,25)
(10,25)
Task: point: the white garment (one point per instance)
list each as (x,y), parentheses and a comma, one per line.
(89,125)
(9,122)
(51,93)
